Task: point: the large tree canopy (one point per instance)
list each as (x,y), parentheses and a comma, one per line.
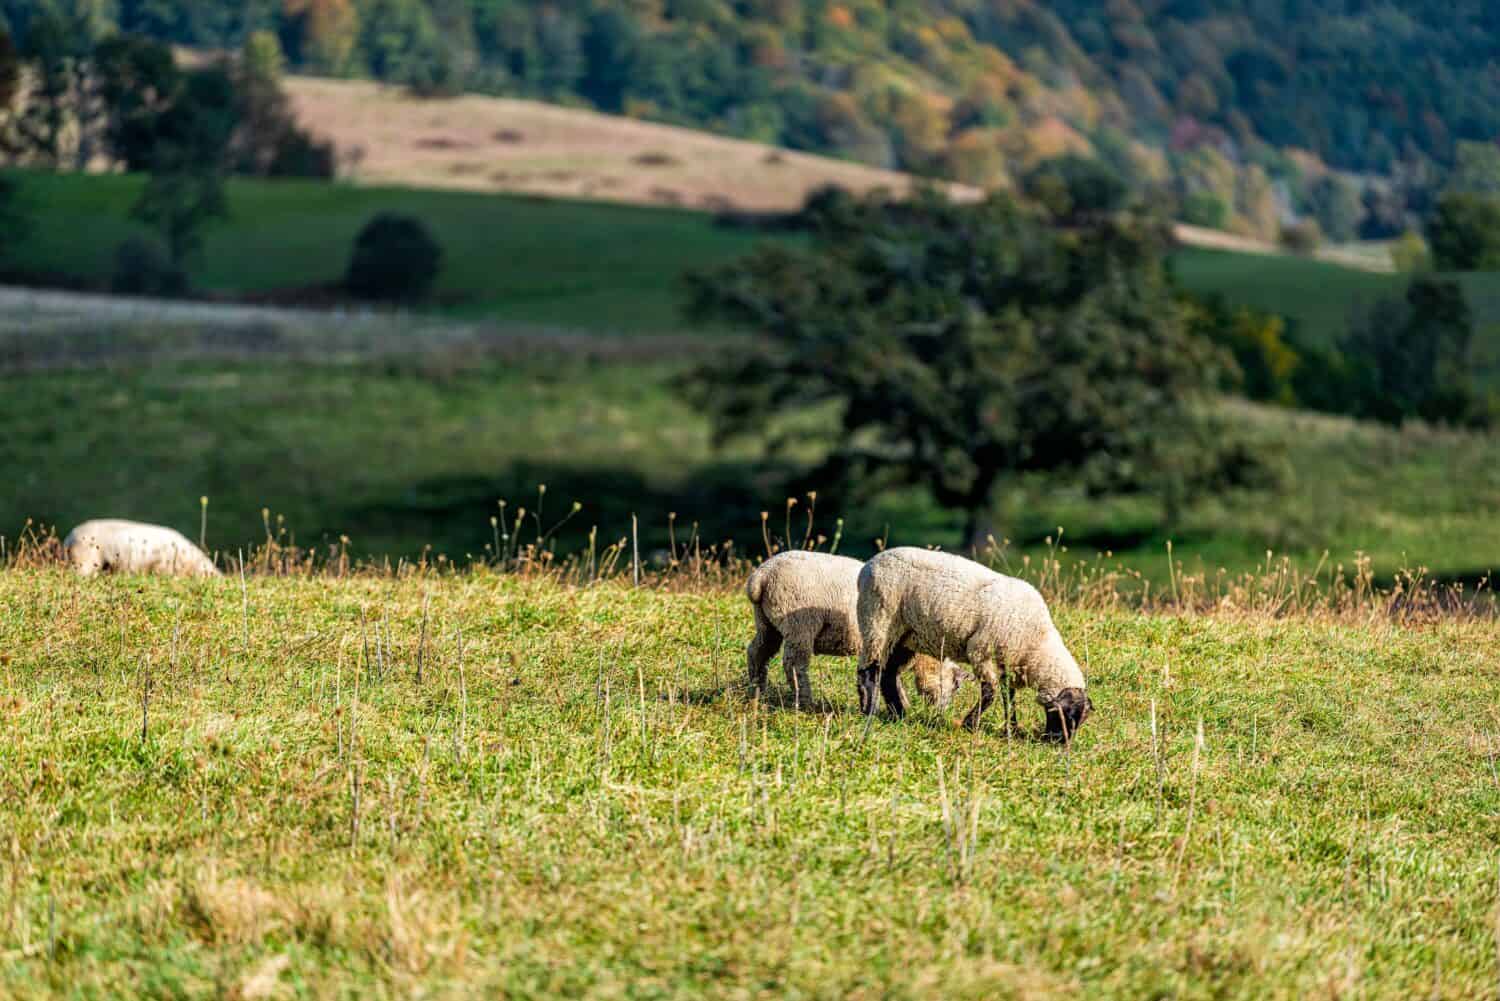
(958,345)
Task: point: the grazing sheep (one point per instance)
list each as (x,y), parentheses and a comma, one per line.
(914,601)
(113,546)
(807,601)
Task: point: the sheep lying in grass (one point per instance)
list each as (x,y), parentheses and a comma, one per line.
(915,601)
(807,601)
(114,546)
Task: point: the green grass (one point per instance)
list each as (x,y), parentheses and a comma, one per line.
(406,452)
(1321,298)
(578,264)
(578,799)
(592,266)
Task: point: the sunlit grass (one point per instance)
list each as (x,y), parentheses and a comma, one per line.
(207,791)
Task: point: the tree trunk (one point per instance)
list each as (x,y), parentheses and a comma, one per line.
(979,519)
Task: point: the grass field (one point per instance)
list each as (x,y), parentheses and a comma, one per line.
(1320,297)
(210,791)
(611,268)
(586,265)
(402,451)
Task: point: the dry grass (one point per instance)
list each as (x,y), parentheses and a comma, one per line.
(388,137)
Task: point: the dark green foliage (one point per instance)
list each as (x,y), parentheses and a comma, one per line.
(189,158)
(957,346)
(1203,209)
(395,259)
(1076,188)
(14,221)
(1410,358)
(142,267)
(1338,205)
(1464,232)
(10,74)
(137,80)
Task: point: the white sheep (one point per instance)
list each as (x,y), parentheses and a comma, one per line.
(807,602)
(110,545)
(920,601)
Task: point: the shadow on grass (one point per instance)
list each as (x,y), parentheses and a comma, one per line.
(453,513)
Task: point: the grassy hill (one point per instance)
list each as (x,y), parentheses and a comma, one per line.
(476,143)
(211,792)
(589,265)
(412,438)
(539,261)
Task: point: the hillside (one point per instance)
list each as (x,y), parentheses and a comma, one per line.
(476,143)
(401,434)
(1239,115)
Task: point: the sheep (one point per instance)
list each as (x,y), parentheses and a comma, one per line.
(114,546)
(916,601)
(807,600)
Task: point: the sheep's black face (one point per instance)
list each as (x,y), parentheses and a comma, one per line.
(1066,712)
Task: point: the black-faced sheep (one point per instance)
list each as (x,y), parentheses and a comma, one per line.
(804,605)
(916,601)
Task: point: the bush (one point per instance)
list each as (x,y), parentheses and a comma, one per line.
(1076,187)
(395,259)
(1302,237)
(1409,254)
(1208,211)
(143,267)
(1464,233)
(300,155)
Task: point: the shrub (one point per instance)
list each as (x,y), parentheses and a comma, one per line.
(143,267)
(1205,210)
(1409,254)
(1464,233)
(395,259)
(1302,237)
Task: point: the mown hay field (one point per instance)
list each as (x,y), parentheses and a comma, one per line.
(242,788)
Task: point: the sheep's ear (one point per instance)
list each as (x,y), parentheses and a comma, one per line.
(1046,701)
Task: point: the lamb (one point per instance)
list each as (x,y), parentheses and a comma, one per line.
(114,546)
(807,601)
(916,601)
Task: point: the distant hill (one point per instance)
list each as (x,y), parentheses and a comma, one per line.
(1244,114)
(475,143)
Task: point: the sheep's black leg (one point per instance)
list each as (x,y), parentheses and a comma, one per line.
(890,681)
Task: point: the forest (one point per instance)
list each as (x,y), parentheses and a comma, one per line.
(1245,115)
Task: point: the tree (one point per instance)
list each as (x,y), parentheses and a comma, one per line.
(188,163)
(266,141)
(395,259)
(1074,188)
(1411,356)
(1338,205)
(955,347)
(610,40)
(1476,168)
(1464,233)
(57,105)
(14,223)
(137,80)
(324,33)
